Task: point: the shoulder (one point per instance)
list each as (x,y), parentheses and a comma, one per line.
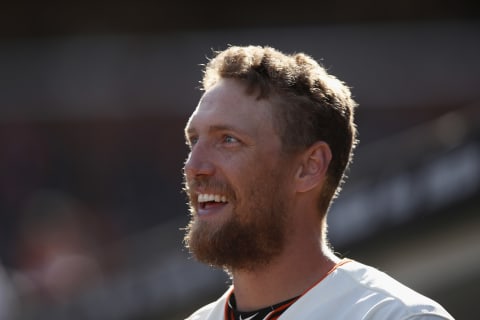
(385,297)
(203,313)
(214,310)
(355,290)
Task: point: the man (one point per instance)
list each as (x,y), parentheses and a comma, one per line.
(270,141)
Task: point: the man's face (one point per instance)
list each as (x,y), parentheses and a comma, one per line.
(236,178)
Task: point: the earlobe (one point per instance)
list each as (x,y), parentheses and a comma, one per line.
(313,166)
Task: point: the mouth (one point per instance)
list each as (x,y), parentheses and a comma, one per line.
(210,203)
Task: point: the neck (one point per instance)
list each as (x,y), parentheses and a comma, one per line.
(302,264)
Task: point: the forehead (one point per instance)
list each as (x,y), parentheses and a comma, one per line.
(228,104)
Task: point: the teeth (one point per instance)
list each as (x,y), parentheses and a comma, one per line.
(203,197)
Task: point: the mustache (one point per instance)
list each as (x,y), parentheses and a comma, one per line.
(207,185)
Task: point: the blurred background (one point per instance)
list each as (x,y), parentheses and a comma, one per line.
(93,100)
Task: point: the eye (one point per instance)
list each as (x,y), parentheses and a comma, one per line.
(191,141)
(229,139)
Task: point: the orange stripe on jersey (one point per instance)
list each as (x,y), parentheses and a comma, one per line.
(228,313)
(277,312)
(335,267)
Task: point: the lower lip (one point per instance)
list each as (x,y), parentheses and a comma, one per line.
(210,209)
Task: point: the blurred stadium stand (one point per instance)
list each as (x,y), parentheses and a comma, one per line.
(91,120)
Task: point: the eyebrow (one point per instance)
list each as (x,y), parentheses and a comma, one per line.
(215,128)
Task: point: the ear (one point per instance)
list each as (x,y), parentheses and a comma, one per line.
(313,166)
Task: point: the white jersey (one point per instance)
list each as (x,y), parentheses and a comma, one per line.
(352,291)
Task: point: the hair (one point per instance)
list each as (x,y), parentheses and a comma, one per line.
(310,104)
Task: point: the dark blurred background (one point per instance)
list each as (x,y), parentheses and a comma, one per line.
(93,100)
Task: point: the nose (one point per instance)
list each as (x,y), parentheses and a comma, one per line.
(199,162)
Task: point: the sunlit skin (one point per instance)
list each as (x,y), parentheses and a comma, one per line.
(236,155)
(236,158)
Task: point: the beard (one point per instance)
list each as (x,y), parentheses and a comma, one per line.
(252,234)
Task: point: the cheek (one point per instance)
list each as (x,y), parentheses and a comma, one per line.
(259,186)
(254,178)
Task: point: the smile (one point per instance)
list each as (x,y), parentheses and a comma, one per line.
(210,203)
(203,198)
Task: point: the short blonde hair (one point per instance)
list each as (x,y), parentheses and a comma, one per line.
(310,104)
